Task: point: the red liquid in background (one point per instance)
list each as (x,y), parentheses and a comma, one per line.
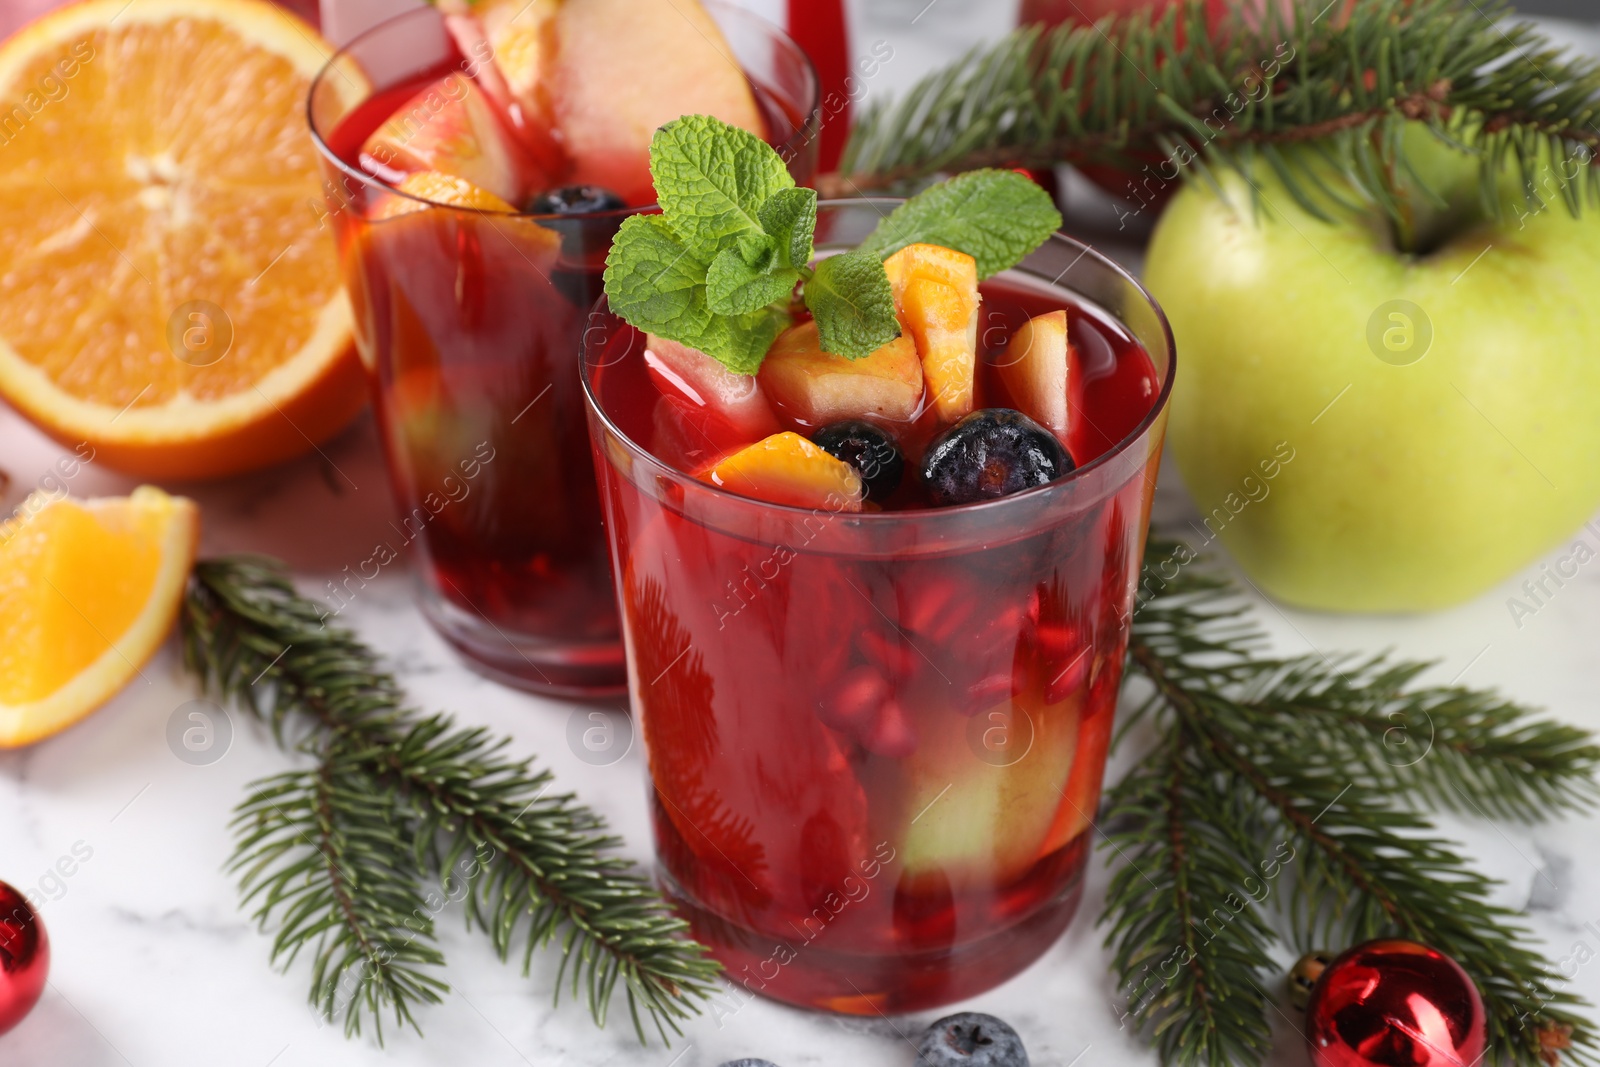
(873,774)
(471,325)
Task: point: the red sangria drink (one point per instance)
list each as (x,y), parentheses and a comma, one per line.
(479,161)
(876,608)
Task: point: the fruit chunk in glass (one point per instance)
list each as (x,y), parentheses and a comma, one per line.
(478,166)
(876,728)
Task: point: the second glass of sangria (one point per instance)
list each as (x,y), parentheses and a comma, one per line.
(478,165)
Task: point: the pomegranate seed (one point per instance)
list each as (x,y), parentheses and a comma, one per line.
(892,735)
(856,700)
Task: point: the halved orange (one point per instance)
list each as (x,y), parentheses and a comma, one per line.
(168,293)
(88,591)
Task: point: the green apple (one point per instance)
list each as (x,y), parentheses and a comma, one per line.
(1376,424)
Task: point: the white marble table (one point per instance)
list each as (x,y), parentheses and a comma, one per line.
(155,966)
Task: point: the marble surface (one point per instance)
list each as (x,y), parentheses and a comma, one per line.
(155,966)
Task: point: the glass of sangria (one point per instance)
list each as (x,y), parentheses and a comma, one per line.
(876,731)
(473,200)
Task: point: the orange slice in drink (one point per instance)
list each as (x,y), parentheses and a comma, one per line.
(430,186)
(168,293)
(88,591)
(787,469)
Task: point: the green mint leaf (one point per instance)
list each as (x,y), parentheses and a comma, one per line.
(705,270)
(654,279)
(712,178)
(739,342)
(850,297)
(734,287)
(995,216)
(756,250)
(790,217)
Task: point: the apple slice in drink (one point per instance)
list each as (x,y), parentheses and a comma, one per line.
(981,798)
(936,294)
(622,68)
(815,388)
(449,127)
(512,46)
(1082,794)
(721,409)
(1038,369)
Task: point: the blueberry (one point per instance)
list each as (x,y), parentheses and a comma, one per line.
(575,200)
(970,1039)
(991,453)
(869,450)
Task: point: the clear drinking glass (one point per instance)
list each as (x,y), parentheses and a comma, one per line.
(469,324)
(876,740)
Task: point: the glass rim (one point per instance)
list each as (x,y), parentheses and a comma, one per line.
(1061,485)
(810,114)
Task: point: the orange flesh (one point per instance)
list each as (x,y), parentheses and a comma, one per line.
(170,193)
(936,293)
(87,594)
(787,469)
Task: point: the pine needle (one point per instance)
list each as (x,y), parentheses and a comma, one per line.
(1125,93)
(334,859)
(1282,797)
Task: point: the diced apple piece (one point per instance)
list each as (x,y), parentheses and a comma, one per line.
(518,54)
(936,294)
(521,40)
(1082,795)
(815,388)
(728,409)
(624,68)
(983,793)
(449,127)
(787,469)
(1036,370)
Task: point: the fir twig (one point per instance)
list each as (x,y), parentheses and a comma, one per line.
(335,856)
(1149,98)
(1300,769)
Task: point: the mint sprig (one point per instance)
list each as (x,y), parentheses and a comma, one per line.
(717,268)
(850,297)
(995,216)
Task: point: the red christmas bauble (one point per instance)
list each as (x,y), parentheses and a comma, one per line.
(24,957)
(1395,1004)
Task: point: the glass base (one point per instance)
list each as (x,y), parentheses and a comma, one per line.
(810,975)
(592,669)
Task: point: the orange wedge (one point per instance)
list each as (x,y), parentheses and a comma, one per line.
(936,294)
(787,469)
(167,294)
(431,186)
(88,591)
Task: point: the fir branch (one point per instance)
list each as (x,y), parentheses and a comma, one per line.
(1196,994)
(1448,746)
(336,854)
(1130,93)
(1299,751)
(318,851)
